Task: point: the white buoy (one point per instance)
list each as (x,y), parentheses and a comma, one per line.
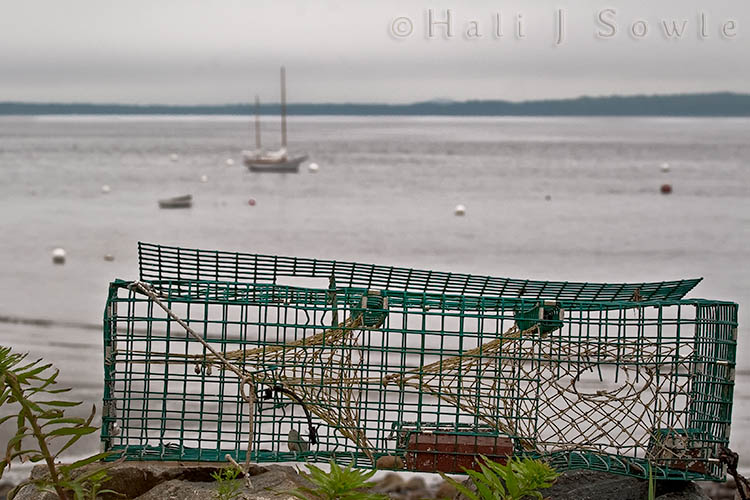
(665,167)
(106,189)
(313,167)
(109,257)
(204,178)
(230,162)
(460,210)
(58,256)
(174,157)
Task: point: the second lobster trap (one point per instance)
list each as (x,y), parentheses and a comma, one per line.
(356,373)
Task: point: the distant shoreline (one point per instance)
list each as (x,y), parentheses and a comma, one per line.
(723,104)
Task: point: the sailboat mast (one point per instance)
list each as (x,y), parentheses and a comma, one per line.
(283,107)
(257,123)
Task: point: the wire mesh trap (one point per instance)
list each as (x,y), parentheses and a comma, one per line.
(432,368)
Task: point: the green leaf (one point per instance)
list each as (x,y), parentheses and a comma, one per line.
(15,441)
(85,461)
(6,418)
(489,477)
(77,490)
(58,391)
(21,420)
(465,491)
(61,404)
(65,420)
(460,487)
(72,431)
(34,371)
(25,367)
(484,491)
(98,474)
(301,491)
(5,394)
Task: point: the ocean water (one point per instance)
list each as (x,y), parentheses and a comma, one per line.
(547,198)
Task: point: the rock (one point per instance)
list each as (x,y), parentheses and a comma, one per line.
(29,492)
(594,485)
(418,495)
(415,483)
(685,491)
(179,490)
(391,483)
(446,490)
(4,489)
(720,491)
(271,485)
(158,481)
(416,489)
(389,462)
(591,485)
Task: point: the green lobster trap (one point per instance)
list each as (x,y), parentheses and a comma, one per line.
(432,368)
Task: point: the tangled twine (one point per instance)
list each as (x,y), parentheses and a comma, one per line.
(514,367)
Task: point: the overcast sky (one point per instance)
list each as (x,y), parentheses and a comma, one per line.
(212,52)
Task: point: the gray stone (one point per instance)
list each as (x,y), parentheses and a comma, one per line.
(446,490)
(721,491)
(273,485)
(177,489)
(391,483)
(688,491)
(416,483)
(593,485)
(191,481)
(4,489)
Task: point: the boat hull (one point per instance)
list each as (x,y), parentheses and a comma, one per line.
(177,202)
(288,166)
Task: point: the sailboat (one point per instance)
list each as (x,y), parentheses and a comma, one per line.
(272,161)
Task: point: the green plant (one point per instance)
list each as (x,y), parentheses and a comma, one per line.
(29,387)
(651,483)
(85,485)
(516,479)
(228,484)
(338,484)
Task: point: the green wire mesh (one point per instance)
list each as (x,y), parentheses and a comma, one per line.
(358,373)
(159,262)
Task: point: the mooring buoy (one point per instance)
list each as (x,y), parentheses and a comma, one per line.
(58,256)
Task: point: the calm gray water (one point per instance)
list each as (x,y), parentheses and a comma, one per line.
(385,193)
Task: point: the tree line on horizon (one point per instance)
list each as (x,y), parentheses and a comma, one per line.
(714,104)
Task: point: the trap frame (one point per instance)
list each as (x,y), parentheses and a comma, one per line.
(358,372)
